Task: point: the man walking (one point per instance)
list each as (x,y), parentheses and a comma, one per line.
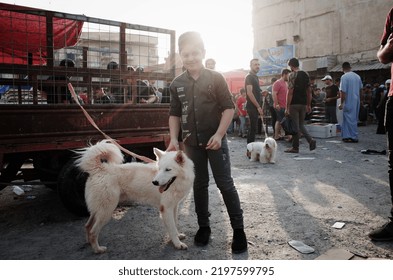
(385,55)
(253,91)
(350,87)
(298,103)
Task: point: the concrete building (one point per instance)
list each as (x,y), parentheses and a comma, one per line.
(322,34)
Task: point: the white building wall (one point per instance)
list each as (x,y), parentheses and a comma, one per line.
(347,29)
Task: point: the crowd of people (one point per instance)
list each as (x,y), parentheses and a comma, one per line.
(347,96)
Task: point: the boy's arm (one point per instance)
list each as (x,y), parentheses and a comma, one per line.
(174,129)
(214,142)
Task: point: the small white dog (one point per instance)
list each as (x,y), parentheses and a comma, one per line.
(264,152)
(163,184)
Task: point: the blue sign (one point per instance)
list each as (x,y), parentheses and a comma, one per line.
(273,60)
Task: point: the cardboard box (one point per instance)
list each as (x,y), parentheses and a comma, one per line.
(322,130)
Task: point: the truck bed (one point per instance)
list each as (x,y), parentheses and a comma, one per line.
(51,127)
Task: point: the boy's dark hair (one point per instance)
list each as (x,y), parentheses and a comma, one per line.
(191,37)
(294,62)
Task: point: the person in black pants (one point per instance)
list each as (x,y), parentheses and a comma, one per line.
(254,97)
(202,108)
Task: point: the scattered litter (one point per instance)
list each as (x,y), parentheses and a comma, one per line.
(304,158)
(334,141)
(339,161)
(338,225)
(17,190)
(356,253)
(30,197)
(27,188)
(373,152)
(325,148)
(301,247)
(336,254)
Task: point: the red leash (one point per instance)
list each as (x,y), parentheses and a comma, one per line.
(92,122)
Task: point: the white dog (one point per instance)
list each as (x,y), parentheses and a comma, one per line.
(163,184)
(264,152)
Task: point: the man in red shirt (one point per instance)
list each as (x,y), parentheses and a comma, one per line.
(279,93)
(385,55)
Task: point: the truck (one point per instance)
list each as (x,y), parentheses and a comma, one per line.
(41,125)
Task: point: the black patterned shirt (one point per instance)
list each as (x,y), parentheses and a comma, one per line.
(199,104)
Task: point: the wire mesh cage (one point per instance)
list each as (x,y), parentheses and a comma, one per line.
(107,62)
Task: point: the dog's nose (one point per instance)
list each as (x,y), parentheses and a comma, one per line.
(155,183)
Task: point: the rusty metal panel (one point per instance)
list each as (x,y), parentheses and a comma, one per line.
(50,123)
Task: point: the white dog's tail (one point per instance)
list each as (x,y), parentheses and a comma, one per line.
(94,157)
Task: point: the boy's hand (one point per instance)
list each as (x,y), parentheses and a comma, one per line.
(214,143)
(173,145)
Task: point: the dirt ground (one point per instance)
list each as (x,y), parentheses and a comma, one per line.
(298,198)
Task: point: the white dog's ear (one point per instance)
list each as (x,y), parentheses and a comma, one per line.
(158,152)
(180,158)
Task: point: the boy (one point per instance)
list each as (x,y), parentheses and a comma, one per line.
(201,105)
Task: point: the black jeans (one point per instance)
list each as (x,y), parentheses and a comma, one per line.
(221,167)
(389,129)
(298,113)
(330,114)
(252,131)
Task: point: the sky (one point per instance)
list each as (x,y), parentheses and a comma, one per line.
(225,25)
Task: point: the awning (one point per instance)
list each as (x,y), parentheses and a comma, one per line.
(23,34)
(362,66)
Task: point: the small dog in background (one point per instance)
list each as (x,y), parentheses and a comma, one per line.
(254,150)
(264,152)
(269,151)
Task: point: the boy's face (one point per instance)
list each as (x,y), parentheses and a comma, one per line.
(192,57)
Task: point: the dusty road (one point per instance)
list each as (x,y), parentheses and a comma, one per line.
(298,198)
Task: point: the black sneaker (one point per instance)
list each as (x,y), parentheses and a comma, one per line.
(385,233)
(202,236)
(239,243)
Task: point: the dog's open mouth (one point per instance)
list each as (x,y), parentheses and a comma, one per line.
(163,188)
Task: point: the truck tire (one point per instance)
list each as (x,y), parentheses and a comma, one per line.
(48,166)
(71,188)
